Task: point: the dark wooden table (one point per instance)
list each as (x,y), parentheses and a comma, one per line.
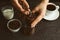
(45,30)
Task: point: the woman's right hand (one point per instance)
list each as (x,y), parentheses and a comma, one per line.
(21,5)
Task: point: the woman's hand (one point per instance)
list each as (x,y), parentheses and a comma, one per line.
(21,5)
(41,9)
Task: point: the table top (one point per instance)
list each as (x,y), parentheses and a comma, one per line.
(45,30)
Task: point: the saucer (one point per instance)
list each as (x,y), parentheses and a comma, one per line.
(52,17)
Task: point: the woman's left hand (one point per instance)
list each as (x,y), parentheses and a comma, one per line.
(41,9)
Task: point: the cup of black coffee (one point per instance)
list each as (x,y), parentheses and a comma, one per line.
(14,25)
(52,12)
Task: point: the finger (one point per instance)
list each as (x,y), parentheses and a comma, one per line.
(26,12)
(26,4)
(29,10)
(17,5)
(35,9)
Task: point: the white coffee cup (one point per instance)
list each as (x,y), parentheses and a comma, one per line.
(8,12)
(52,12)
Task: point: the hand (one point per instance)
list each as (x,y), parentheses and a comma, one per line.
(41,9)
(21,5)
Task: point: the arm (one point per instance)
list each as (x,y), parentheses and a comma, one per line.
(41,8)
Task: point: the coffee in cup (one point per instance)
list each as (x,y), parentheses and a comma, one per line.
(51,7)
